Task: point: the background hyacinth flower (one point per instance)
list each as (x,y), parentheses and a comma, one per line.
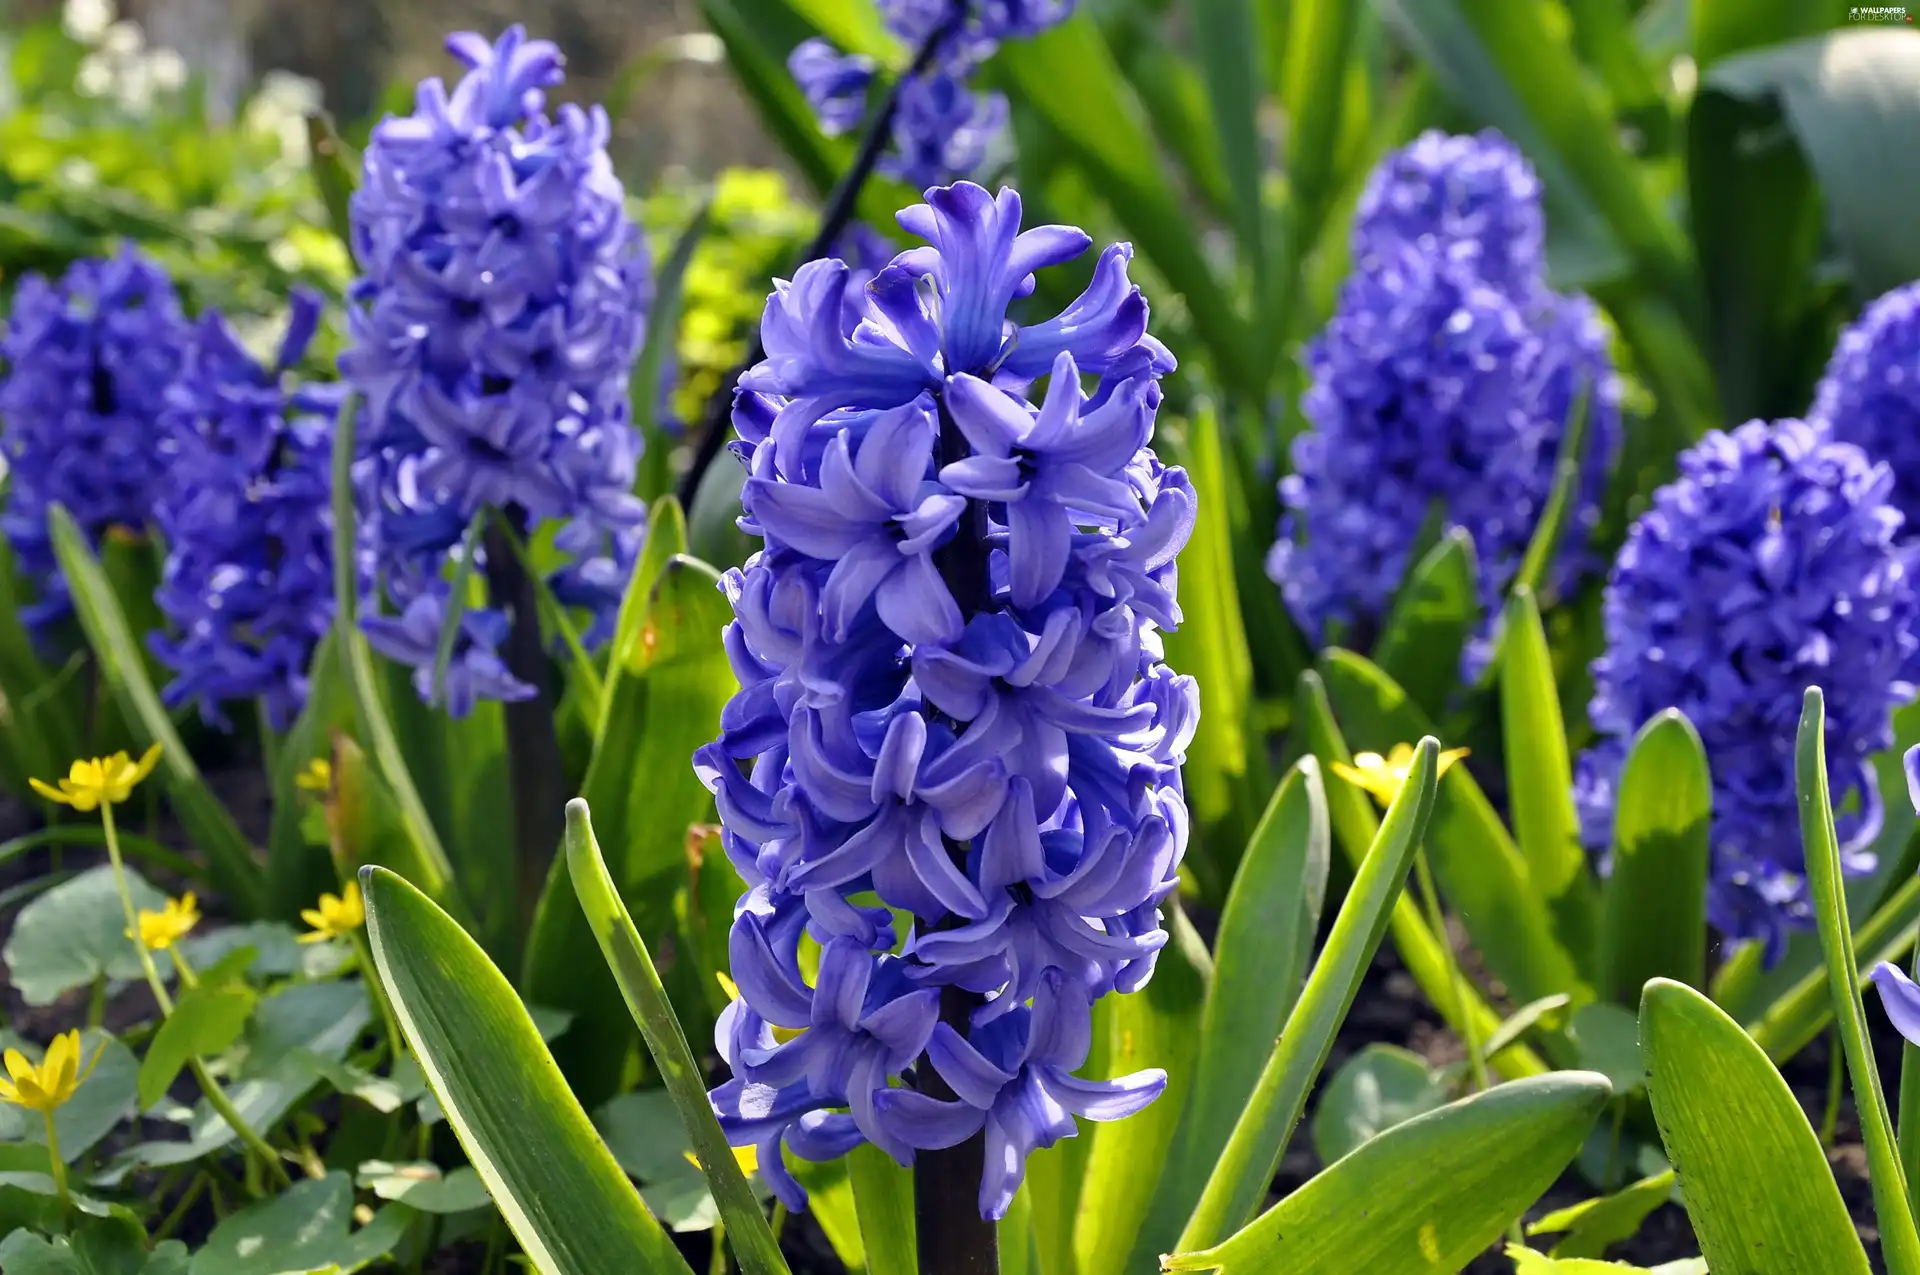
(1445,379)
(1870,393)
(500,308)
(952,698)
(1774,562)
(248,582)
(88,362)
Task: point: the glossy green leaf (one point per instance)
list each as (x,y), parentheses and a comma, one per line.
(552,1178)
(1655,915)
(646,999)
(883,1204)
(1376,1089)
(1527,1262)
(1592,1225)
(1433,615)
(1480,870)
(74,934)
(830,1204)
(1545,1012)
(1722,1111)
(307,1228)
(1461,1174)
(1893,1207)
(642,1128)
(205,1021)
(97,1246)
(1355,825)
(1157,1026)
(1239,1180)
(1848,95)
(423,1186)
(1540,778)
(1229,56)
(123,663)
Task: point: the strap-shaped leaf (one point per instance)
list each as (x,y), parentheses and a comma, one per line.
(1655,919)
(555,1182)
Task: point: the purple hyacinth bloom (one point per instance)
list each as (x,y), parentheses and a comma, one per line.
(88,362)
(952,697)
(942,128)
(500,308)
(1870,393)
(1774,562)
(475,670)
(1473,199)
(835,83)
(248,581)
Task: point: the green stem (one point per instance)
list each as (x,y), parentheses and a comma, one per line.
(186,1201)
(216,1096)
(717,1264)
(370,974)
(1836,1069)
(57,1166)
(97,1002)
(1456,978)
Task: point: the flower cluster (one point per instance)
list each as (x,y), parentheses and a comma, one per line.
(499,310)
(1870,394)
(952,700)
(1444,382)
(88,361)
(941,128)
(248,583)
(1773,562)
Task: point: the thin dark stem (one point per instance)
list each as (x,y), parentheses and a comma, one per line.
(533,744)
(953,1238)
(833,223)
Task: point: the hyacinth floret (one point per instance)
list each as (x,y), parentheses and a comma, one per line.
(88,361)
(500,307)
(1870,394)
(952,698)
(1776,561)
(1444,382)
(248,582)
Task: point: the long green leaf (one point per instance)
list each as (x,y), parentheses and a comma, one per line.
(1899,1241)
(1223,36)
(1756,1184)
(883,1203)
(1458,1176)
(1320,42)
(296,873)
(646,998)
(231,857)
(1433,615)
(1655,918)
(555,1182)
(1239,1180)
(647,392)
(1355,827)
(1540,778)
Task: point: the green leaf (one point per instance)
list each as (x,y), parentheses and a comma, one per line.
(1543,1012)
(1849,96)
(1655,916)
(1240,1179)
(1320,43)
(830,1203)
(633,969)
(74,934)
(1528,1262)
(204,1022)
(1433,615)
(1461,1174)
(97,1246)
(336,172)
(644,1132)
(1893,1207)
(425,1187)
(645,392)
(554,1181)
(1376,1089)
(297,871)
(1480,870)
(1592,1225)
(305,1229)
(1723,1113)
(883,1203)
(1607,1038)
(1223,36)
(1157,1026)
(122,663)
(1540,777)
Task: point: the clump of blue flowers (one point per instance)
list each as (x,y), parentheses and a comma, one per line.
(248,582)
(1774,562)
(500,307)
(88,361)
(1444,382)
(1870,393)
(952,699)
(942,128)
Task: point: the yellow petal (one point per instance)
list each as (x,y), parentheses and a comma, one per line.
(9,1094)
(353,911)
(727,985)
(148,760)
(17,1065)
(50,792)
(1447,759)
(313,936)
(314,917)
(1400,758)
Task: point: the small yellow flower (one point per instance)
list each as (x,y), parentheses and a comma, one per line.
(161,930)
(337,915)
(317,777)
(1383,776)
(747,1157)
(47,1088)
(99,781)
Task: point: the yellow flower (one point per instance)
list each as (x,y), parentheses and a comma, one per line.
(1383,776)
(317,777)
(161,930)
(47,1087)
(337,915)
(747,1157)
(99,781)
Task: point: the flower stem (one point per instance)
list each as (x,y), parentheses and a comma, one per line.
(57,1166)
(833,224)
(216,1096)
(370,974)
